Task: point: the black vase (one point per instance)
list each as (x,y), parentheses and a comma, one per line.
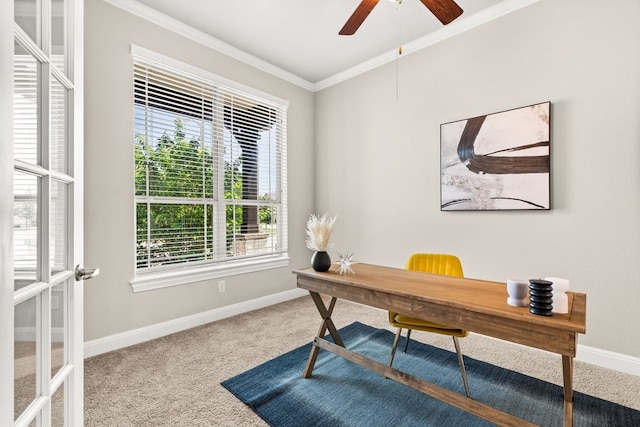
(320,261)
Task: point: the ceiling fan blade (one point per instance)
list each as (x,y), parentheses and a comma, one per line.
(445,10)
(359,15)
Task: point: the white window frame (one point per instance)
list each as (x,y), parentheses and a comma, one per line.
(182,274)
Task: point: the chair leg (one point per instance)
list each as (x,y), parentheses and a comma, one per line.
(406,344)
(461,362)
(395,345)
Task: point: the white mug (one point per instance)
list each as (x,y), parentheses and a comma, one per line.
(517,290)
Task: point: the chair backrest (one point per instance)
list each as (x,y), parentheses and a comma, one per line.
(445,264)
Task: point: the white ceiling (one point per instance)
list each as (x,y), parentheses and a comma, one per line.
(300,37)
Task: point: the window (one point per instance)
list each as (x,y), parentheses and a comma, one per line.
(210,174)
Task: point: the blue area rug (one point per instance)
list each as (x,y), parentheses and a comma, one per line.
(341,393)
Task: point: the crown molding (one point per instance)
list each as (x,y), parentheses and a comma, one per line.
(457,27)
(453,29)
(142,11)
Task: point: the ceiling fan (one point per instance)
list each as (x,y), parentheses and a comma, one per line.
(445,10)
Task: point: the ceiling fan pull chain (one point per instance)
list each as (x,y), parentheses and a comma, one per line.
(399,40)
(399,51)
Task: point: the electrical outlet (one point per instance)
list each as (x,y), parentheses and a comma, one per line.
(222,286)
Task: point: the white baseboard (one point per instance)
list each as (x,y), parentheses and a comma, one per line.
(594,356)
(609,359)
(29,333)
(140,335)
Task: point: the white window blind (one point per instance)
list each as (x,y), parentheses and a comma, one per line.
(210,171)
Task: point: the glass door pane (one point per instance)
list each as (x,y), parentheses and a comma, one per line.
(57,407)
(58,130)
(26,233)
(58,327)
(58,39)
(25,105)
(27,319)
(27,17)
(58,226)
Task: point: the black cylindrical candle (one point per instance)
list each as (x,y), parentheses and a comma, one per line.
(541,297)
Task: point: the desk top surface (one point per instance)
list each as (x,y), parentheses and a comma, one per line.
(472,295)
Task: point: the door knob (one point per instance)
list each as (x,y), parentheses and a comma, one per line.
(86,273)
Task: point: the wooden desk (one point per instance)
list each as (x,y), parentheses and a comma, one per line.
(475,305)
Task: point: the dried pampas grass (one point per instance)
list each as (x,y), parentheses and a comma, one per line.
(319,231)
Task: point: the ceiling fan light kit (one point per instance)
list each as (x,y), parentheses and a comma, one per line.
(445,10)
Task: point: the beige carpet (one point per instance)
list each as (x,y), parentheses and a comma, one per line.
(175,380)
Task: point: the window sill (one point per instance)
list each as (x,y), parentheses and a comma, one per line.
(163,279)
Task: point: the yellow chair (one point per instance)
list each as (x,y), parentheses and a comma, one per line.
(444,264)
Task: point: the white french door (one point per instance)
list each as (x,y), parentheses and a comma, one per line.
(41,214)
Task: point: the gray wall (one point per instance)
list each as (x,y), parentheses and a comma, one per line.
(111,306)
(584,57)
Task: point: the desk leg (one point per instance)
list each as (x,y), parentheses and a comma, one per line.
(567,374)
(327,323)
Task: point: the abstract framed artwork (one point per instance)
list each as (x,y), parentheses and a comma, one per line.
(498,161)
